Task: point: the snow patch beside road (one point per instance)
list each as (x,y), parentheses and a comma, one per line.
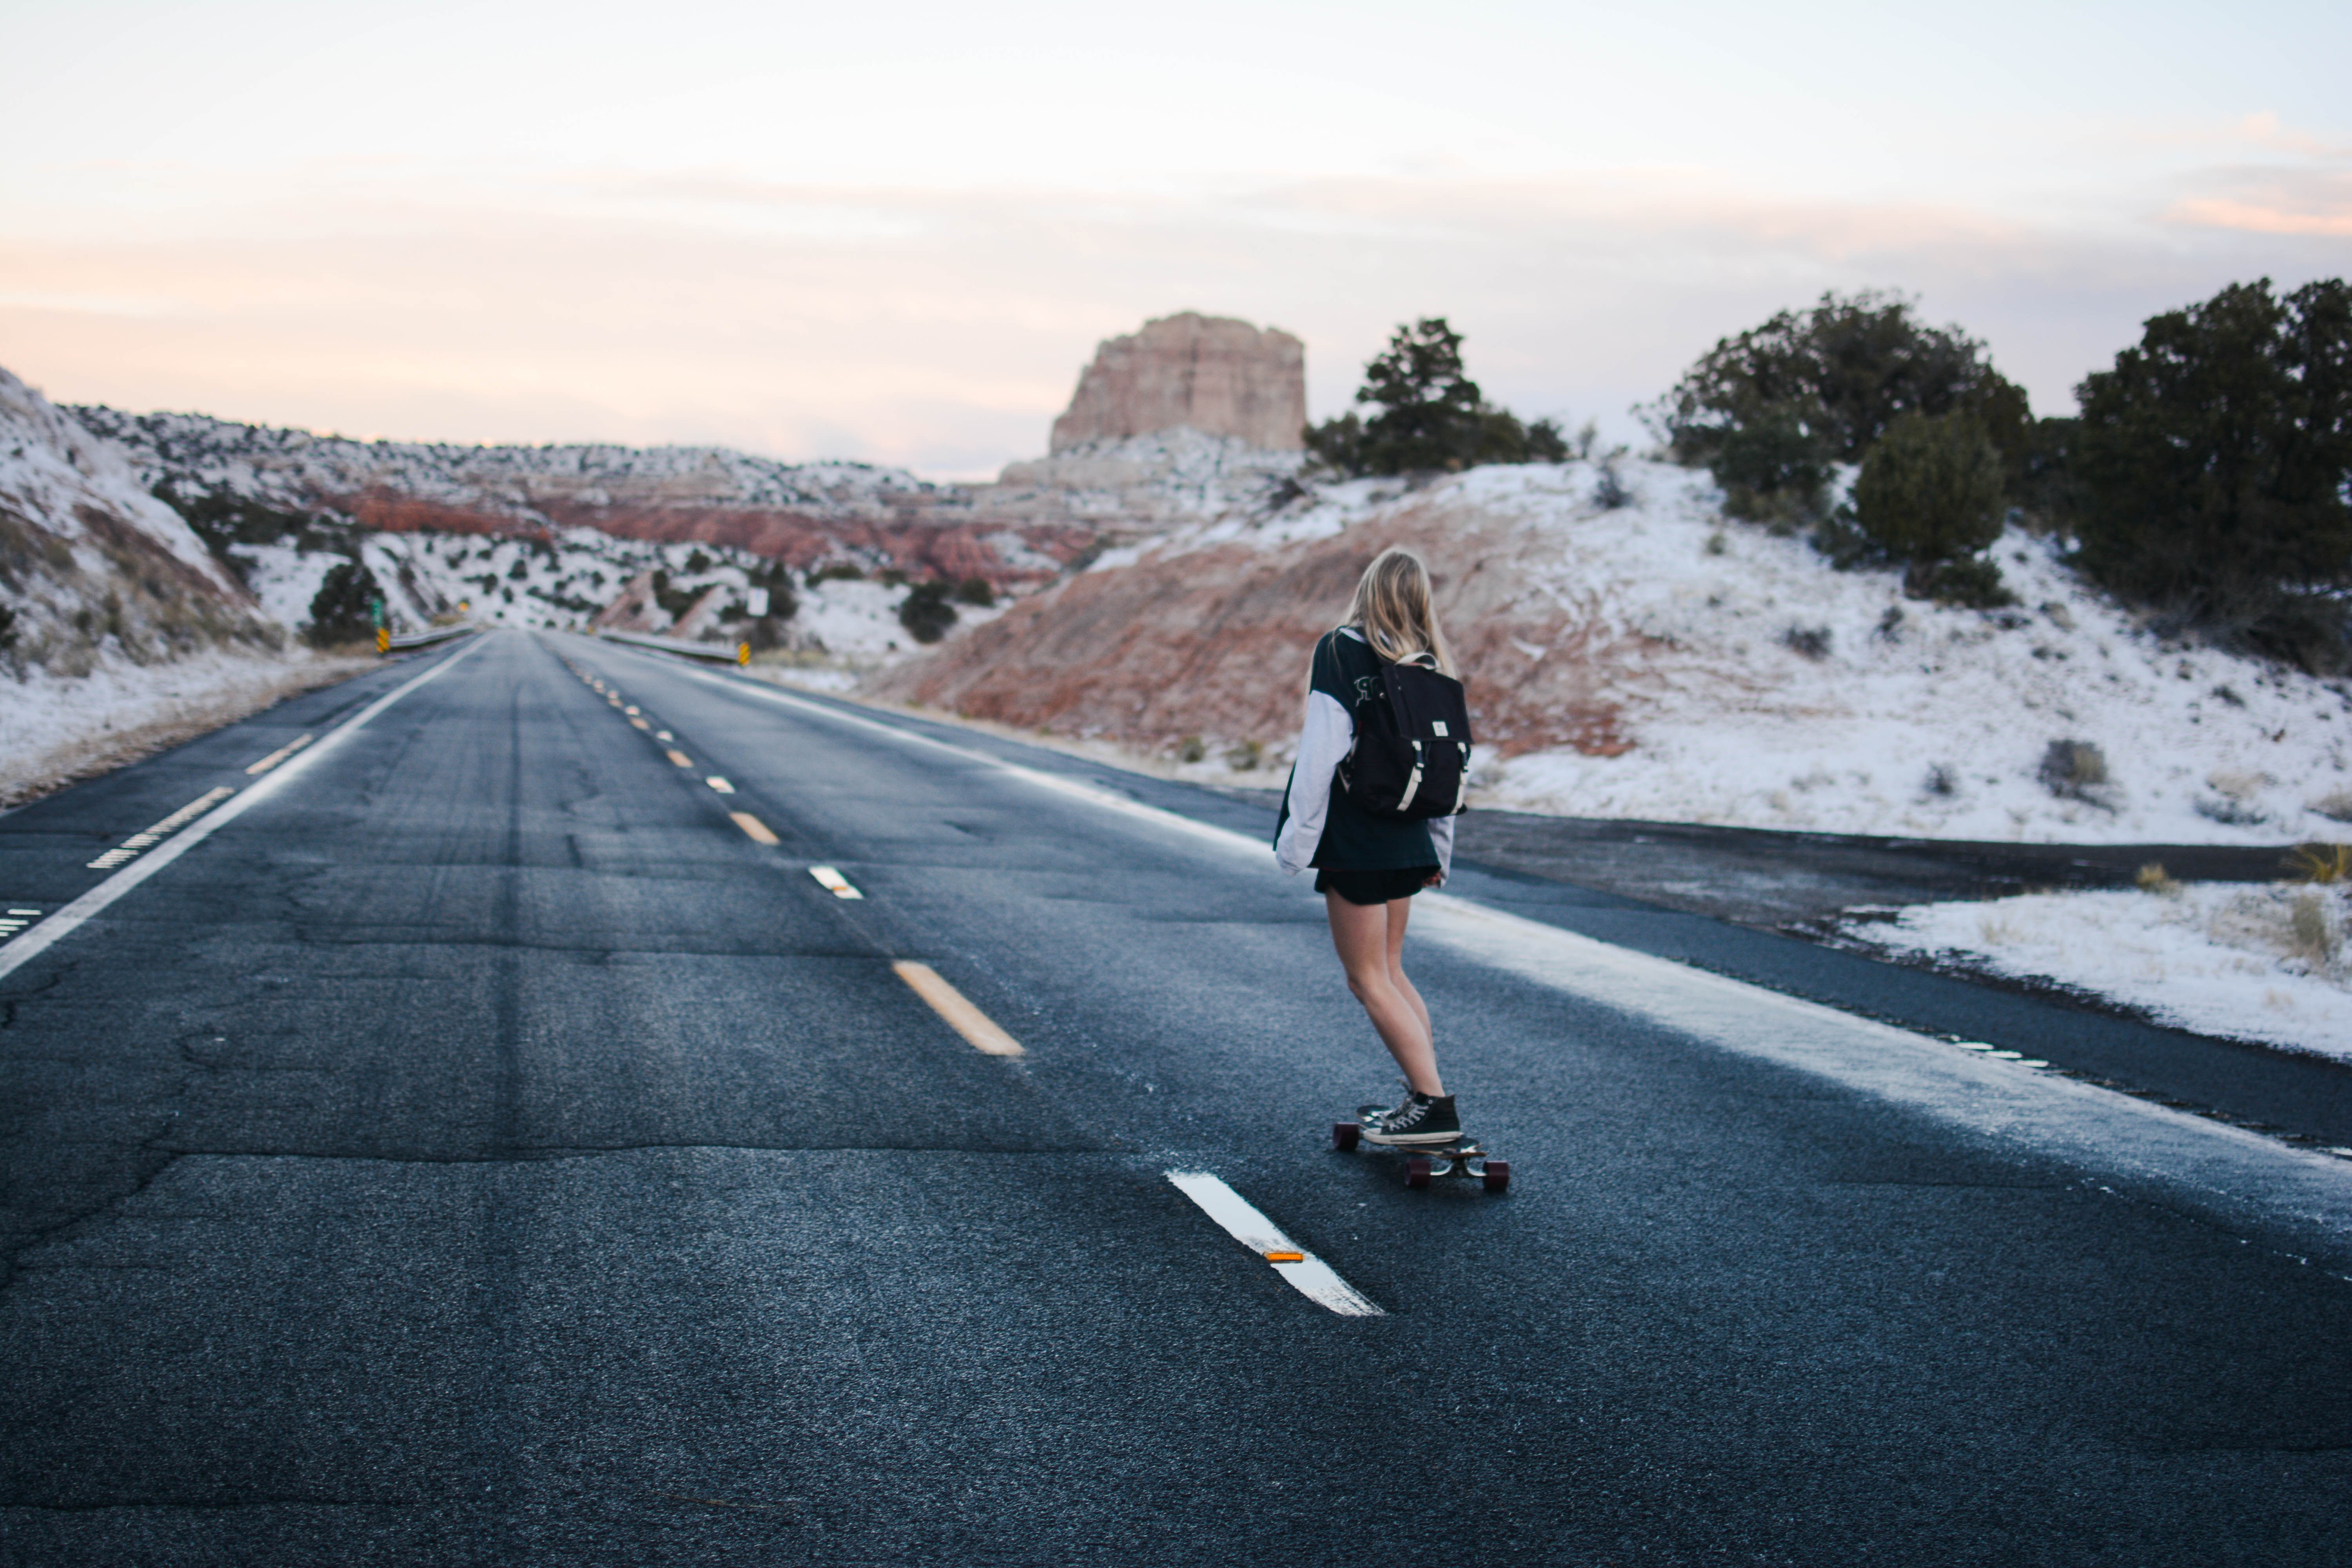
(2249,962)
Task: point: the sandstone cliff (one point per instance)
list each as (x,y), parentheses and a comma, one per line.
(1210,373)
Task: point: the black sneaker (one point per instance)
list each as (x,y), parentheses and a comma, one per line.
(1422,1119)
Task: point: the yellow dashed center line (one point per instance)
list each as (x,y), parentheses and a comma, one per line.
(720,784)
(681,759)
(949,1003)
(641,724)
(757,829)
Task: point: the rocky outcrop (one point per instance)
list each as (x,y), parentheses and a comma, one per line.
(1210,373)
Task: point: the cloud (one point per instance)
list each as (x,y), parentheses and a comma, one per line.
(942,327)
(2315,203)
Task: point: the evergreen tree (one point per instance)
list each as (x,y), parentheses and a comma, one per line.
(1430,417)
(1771,409)
(2213,465)
(343,609)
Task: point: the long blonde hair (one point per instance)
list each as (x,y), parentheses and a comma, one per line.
(1391,609)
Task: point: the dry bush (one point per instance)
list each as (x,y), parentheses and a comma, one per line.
(2327,865)
(2072,769)
(2310,936)
(2154,878)
(2337,805)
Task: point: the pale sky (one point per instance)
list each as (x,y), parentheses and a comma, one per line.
(897,232)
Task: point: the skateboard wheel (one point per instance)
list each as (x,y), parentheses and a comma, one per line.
(1416,1172)
(1346,1135)
(1498,1176)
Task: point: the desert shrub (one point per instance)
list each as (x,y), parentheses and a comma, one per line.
(1191,748)
(1941,781)
(1930,489)
(1974,583)
(2154,878)
(1608,491)
(2326,864)
(1770,410)
(839,572)
(343,609)
(1774,467)
(976,591)
(2337,805)
(675,601)
(1813,642)
(1245,757)
(1430,415)
(925,611)
(2211,467)
(2072,769)
(2310,936)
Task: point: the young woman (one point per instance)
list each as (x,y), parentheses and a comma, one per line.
(1369,868)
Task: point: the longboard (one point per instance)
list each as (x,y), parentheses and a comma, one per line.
(1425,1162)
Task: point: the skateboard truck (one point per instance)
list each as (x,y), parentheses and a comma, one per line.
(1427,1163)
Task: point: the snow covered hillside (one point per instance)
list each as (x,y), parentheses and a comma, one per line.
(1654,660)
(118,630)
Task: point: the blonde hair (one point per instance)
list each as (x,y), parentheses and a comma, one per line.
(1391,609)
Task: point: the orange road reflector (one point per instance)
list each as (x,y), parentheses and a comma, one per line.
(1286,1257)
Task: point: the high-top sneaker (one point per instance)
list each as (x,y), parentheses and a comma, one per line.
(1422,1119)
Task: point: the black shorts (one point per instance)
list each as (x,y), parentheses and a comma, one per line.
(1369,888)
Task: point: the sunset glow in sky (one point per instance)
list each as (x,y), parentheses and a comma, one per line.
(897,232)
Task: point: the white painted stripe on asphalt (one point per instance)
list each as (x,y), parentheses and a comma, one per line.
(2243,1174)
(147,838)
(42,937)
(1310,1276)
(834,882)
(721,785)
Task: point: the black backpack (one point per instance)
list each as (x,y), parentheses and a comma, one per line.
(1411,756)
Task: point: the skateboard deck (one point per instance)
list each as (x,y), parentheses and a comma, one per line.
(1425,1162)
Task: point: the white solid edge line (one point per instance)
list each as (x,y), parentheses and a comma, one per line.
(1310,1276)
(34,942)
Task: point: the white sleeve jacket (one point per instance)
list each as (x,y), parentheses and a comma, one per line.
(1324,742)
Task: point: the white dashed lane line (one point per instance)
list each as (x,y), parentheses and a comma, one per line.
(1306,1274)
(721,785)
(132,847)
(38,940)
(834,882)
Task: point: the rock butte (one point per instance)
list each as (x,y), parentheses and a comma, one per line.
(1211,373)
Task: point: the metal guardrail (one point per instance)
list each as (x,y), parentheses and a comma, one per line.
(426,639)
(719,652)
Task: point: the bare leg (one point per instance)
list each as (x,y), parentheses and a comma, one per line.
(1371,942)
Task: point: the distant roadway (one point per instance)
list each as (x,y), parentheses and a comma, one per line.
(458,1117)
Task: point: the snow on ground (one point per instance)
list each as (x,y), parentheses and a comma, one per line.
(1763,688)
(2265,963)
(55,728)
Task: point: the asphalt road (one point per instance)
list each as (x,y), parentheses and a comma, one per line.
(480,1148)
